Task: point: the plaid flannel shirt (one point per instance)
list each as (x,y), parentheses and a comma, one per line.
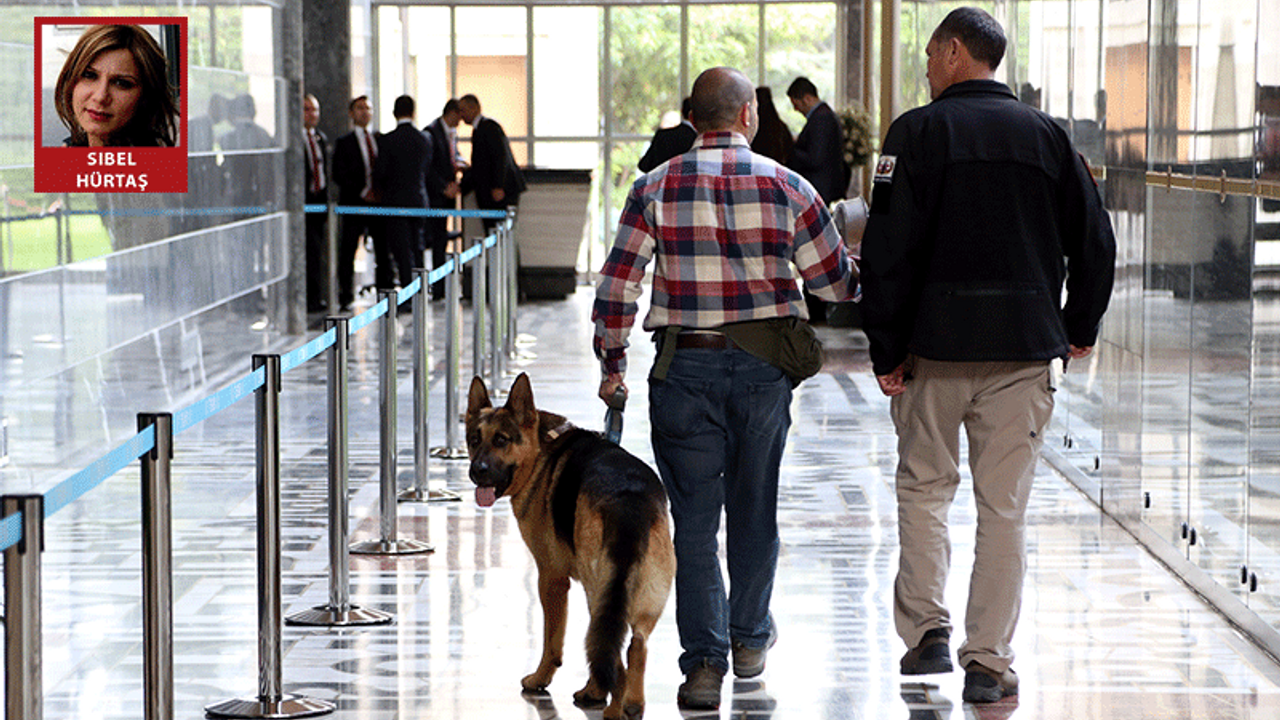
(726,226)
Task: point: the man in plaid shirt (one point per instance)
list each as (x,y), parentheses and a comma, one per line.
(726,227)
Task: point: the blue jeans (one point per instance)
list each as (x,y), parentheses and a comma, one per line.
(720,422)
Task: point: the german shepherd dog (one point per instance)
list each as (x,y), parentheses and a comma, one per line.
(588,510)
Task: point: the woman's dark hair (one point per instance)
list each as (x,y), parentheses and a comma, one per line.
(155,120)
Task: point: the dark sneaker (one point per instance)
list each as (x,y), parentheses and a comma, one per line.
(701,688)
(984,685)
(932,655)
(749,662)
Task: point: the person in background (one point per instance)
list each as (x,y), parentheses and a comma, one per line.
(113,90)
(669,142)
(316,153)
(399,179)
(977,199)
(493,176)
(354,155)
(774,140)
(442,181)
(720,389)
(818,152)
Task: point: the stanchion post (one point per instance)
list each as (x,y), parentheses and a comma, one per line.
(420,492)
(478,292)
(339,611)
(389,544)
(23,688)
(271,701)
(513,287)
(157,569)
(496,322)
(452,450)
(331,256)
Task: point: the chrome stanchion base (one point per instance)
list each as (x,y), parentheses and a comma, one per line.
(285,706)
(331,616)
(449,453)
(391,547)
(413,495)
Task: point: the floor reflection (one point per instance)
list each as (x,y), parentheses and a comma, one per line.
(1106,633)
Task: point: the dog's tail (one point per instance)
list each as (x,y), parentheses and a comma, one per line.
(626,539)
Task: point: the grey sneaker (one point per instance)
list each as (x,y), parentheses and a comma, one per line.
(701,688)
(984,685)
(749,662)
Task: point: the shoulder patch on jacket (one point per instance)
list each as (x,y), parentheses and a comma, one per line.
(884,168)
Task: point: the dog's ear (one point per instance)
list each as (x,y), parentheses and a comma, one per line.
(520,402)
(478,398)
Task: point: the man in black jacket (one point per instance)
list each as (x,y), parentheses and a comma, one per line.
(442,180)
(977,200)
(493,176)
(399,176)
(670,142)
(353,157)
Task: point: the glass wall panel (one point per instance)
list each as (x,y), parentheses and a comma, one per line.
(566,62)
(1220,347)
(492,65)
(428,61)
(644,70)
(1264,466)
(800,40)
(1223,88)
(724,35)
(1167,374)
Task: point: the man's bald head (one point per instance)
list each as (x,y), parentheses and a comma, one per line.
(718,99)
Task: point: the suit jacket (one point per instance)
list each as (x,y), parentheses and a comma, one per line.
(442,170)
(349,168)
(323,144)
(666,144)
(818,153)
(399,175)
(493,165)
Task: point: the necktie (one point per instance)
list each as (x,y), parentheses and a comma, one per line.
(316,179)
(372,150)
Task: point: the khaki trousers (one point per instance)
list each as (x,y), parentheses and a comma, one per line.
(1004,408)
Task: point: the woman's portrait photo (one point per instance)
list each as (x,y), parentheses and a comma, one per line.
(115,89)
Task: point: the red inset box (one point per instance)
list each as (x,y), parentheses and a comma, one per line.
(111,104)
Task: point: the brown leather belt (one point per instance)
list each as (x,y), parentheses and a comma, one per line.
(703,341)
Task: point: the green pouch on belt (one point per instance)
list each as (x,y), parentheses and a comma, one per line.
(787,343)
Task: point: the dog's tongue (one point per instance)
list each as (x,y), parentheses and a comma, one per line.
(485,496)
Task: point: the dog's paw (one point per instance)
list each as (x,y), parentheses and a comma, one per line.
(535,692)
(534,683)
(585,698)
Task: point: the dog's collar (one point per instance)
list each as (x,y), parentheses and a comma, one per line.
(559,430)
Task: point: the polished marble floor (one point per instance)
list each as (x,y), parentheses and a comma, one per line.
(1107,633)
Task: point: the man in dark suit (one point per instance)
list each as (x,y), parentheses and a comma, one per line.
(670,142)
(399,178)
(315,151)
(493,176)
(818,153)
(442,180)
(354,155)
